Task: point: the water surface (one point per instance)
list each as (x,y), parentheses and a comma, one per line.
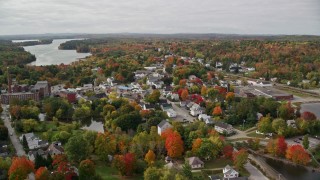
(48,54)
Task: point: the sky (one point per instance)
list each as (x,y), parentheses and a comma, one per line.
(160,16)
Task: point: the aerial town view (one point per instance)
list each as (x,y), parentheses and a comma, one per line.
(160,90)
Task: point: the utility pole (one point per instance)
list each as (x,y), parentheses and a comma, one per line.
(9,81)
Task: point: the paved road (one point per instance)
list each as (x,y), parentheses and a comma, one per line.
(255,174)
(14,139)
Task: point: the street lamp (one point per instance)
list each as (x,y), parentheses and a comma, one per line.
(243,123)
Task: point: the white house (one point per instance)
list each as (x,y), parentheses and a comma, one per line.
(223,128)
(195,162)
(203,117)
(171,113)
(162,126)
(229,172)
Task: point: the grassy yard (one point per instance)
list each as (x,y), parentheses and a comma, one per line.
(255,135)
(107,172)
(217,163)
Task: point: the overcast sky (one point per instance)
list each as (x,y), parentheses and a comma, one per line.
(160,16)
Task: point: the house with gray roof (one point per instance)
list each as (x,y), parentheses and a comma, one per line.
(195,162)
(162,126)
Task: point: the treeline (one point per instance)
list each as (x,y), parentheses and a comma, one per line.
(81,46)
(12,54)
(33,43)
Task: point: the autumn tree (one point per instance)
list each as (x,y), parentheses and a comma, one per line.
(217,111)
(20,168)
(230,96)
(286,111)
(204,91)
(298,154)
(240,158)
(105,144)
(281,146)
(308,116)
(86,170)
(227,151)
(196,144)
(184,94)
(150,157)
(42,173)
(173,143)
(124,163)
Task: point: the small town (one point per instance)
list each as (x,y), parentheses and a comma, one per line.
(170,100)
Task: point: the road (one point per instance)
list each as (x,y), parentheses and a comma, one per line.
(14,139)
(254,172)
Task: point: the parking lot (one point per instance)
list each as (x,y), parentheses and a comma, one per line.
(313,142)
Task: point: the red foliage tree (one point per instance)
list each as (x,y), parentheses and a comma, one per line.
(297,154)
(308,116)
(61,164)
(227,151)
(20,168)
(124,163)
(173,143)
(42,173)
(281,146)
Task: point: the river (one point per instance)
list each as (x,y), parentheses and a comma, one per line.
(291,172)
(48,54)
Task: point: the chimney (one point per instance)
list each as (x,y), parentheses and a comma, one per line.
(9,81)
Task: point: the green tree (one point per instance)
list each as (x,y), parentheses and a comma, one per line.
(3,132)
(264,125)
(154,97)
(305,141)
(186,170)
(152,173)
(86,170)
(25,143)
(77,148)
(279,126)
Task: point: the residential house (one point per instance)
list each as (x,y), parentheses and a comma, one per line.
(33,154)
(149,107)
(55,149)
(223,128)
(229,172)
(33,141)
(171,113)
(195,162)
(162,126)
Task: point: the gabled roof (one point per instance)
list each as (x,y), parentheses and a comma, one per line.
(162,123)
(223,125)
(195,161)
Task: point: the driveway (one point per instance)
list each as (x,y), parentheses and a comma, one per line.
(182,113)
(14,139)
(254,172)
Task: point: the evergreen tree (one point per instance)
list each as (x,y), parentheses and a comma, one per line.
(305,141)
(25,143)
(186,169)
(49,162)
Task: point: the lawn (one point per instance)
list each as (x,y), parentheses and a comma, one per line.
(254,134)
(107,172)
(217,163)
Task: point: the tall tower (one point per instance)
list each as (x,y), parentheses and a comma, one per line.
(9,81)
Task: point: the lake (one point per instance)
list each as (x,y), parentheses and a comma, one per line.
(48,54)
(311,107)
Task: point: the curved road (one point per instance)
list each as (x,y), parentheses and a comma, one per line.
(14,139)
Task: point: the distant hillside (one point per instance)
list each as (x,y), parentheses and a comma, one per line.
(12,54)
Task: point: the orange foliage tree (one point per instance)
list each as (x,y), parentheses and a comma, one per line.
(227,151)
(150,157)
(196,144)
(173,143)
(217,111)
(230,96)
(124,163)
(184,94)
(298,154)
(20,168)
(42,173)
